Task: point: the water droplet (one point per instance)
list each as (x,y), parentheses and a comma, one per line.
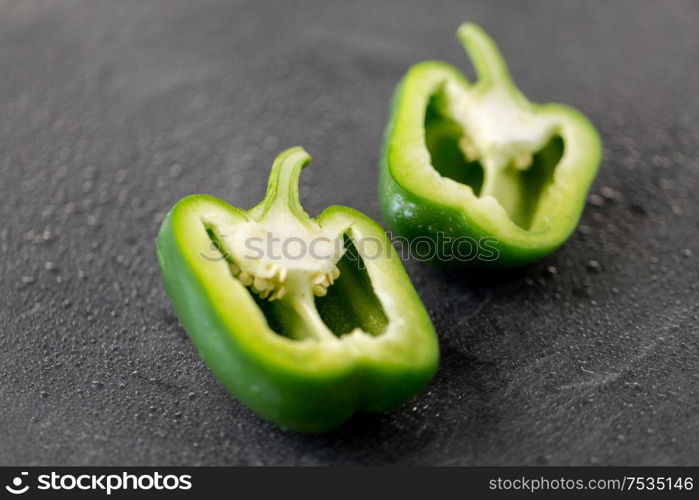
(62,172)
(158,217)
(595,200)
(609,193)
(270,143)
(90,171)
(175,170)
(121,175)
(593,266)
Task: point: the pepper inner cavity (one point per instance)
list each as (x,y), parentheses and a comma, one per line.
(333,304)
(351,304)
(512,163)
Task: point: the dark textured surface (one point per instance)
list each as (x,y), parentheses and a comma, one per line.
(112,111)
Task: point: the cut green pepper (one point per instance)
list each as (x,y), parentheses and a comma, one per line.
(478,163)
(304,320)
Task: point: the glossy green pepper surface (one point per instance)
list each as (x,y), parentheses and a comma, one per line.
(469,164)
(304,320)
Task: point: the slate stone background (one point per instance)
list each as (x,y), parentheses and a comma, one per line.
(112,111)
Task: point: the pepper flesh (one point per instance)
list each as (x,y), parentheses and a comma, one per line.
(480,161)
(305,340)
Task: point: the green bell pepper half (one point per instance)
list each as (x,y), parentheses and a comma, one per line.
(479,164)
(304,338)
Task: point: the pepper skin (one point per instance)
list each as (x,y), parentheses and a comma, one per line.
(305,339)
(477,164)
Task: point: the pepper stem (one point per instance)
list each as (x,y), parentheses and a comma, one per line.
(491,68)
(283,186)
